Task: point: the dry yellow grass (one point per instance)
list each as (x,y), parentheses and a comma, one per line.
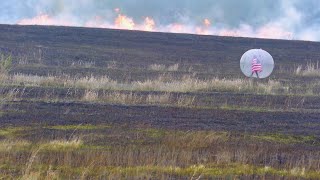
(162,67)
(310,70)
(165,83)
(135,98)
(90,95)
(9,145)
(63,144)
(122,98)
(174,67)
(159,99)
(157,67)
(179,154)
(93,86)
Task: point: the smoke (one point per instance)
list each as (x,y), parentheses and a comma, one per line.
(278,19)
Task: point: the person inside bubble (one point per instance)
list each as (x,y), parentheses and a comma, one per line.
(256,66)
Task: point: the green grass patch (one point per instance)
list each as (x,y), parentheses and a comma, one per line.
(153,133)
(191,172)
(287,139)
(248,108)
(14,145)
(79,127)
(13,131)
(62,145)
(215,171)
(95,147)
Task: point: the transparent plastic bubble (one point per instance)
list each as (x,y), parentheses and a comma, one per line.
(257,61)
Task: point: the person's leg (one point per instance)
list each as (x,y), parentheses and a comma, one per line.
(257,74)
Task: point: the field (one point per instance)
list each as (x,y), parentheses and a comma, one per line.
(81,103)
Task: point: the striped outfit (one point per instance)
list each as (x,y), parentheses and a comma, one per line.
(256,66)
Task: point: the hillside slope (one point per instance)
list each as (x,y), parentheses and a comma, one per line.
(60,49)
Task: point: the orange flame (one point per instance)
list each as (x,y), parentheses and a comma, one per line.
(44,19)
(149,24)
(271,30)
(207,22)
(176,28)
(124,22)
(227,32)
(204,30)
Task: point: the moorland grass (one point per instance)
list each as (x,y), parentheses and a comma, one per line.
(158,153)
(79,127)
(310,70)
(14,145)
(13,131)
(138,172)
(162,67)
(62,145)
(162,83)
(287,139)
(197,171)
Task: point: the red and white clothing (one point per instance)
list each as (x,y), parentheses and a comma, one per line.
(256,66)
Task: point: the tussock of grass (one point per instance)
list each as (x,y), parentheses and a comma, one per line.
(192,84)
(122,98)
(133,98)
(198,171)
(198,139)
(161,67)
(167,153)
(248,108)
(286,139)
(90,95)
(60,145)
(11,131)
(152,133)
(79,127)
(88,82)
(159,99)
(13,145)
(162,83)
(311,70)
(157,67)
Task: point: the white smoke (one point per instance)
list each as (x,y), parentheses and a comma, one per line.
(278,19)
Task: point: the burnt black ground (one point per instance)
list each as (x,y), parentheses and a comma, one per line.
(122,55)
(52,50)
(48,114)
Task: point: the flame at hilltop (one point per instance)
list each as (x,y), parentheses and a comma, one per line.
(149,24)
(45,19)
(125,22)
(207,22)
(122,21)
